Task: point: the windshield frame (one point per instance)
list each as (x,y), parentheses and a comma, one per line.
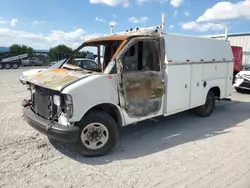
(57,63)
(120,45)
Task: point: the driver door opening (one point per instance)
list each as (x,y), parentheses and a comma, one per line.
(99,52)
(142,78)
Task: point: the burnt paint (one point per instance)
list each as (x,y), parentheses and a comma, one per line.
(56,79)
(143,93)
(143,85)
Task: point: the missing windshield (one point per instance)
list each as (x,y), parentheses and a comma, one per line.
(94,56)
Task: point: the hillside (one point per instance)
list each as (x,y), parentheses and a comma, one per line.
(4,49)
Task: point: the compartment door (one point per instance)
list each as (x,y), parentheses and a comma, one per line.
(197,90)
(230,69)
(178,87)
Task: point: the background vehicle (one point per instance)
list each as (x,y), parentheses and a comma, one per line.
(90,56)
(246,67)
(86,63)
(242,79)
(12,62)
(34,61)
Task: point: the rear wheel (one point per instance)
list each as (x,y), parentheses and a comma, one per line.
(15,66)
(7,66)
(98,134)
(207,109)
(1,66)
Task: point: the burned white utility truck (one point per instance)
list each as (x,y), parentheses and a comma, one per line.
(147,73)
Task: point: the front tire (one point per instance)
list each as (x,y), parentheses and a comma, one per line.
(207,109)
(98,134)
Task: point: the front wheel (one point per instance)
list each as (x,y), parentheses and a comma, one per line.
(207,109)
(98,134)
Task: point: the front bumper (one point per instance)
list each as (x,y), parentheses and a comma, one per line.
(57,131)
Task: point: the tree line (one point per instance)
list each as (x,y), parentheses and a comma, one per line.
(55,53)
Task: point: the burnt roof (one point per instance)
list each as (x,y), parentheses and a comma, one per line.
(109,38)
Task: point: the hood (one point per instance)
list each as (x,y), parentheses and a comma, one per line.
(245,73)
(56,79)
(32,71)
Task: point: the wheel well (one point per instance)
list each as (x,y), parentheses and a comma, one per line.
(216,91)
(111,109)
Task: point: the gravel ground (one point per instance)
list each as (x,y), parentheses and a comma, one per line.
(178,151)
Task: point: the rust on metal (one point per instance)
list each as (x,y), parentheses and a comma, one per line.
(143,93)
(143,85)
(56,78)
(119,49)
(108,38)
(59,70)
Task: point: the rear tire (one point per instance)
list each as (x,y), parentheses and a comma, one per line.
(15,66)
(1,66)
(7,66)
(98,134)
(207,109)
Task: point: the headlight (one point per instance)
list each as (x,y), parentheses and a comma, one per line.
(68,106)
(57,100)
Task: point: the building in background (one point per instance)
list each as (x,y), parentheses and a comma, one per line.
(238,39)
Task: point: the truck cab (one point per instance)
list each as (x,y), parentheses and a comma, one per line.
(144,75)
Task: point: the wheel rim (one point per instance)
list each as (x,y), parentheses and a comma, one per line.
(1,66)
(94,136)
(15,65)
(7,66)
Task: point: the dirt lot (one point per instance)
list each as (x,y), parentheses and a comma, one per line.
(179,151)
